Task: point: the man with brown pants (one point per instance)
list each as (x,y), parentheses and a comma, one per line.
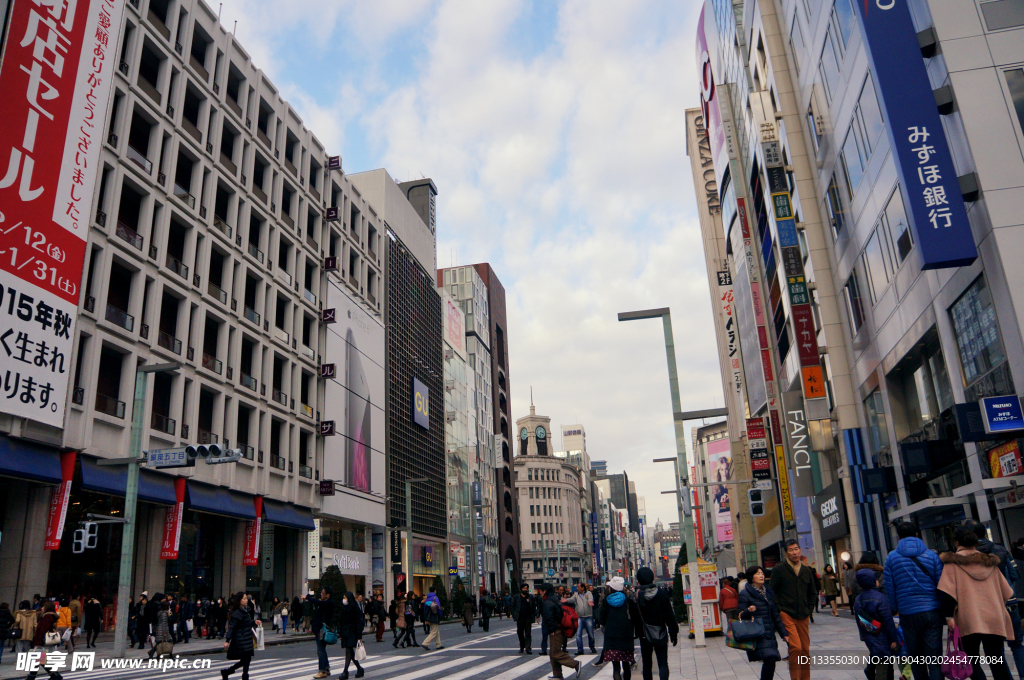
(795,594)
(551,623)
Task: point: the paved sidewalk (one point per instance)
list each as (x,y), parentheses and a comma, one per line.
(105,648)
(716,661)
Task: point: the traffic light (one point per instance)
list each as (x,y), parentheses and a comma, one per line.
(85,537)
(213,454)
(756,500)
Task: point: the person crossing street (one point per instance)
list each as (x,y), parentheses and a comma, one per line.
(583,600)
(523,613)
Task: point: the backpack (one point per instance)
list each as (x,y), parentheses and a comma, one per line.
(570,621)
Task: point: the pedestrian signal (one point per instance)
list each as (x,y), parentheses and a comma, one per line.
(85,537)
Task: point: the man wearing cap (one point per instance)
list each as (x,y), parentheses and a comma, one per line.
(551,621)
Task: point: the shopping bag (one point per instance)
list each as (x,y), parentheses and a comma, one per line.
(360,651)
(277,620)
(258,638)
(67,635)
(955,664)
(746,645)
(164,648)
(189,625)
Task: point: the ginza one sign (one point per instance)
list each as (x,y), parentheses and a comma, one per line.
(55,81)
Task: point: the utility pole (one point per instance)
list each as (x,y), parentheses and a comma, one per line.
(696,608)
(131,495)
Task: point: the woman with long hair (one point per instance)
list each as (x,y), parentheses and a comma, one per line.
(351,633)
(238,637)
(830,586)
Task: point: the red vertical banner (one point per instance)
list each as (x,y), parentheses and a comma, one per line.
(59,501)
(172,522)
(251,558)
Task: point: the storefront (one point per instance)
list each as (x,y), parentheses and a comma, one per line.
(346,545)
(428,562)
(829,510)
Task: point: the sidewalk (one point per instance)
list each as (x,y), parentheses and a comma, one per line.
(105,648)
(718,662)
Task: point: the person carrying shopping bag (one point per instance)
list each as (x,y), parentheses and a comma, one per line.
(350,634)
(238,638)
(757,603)
(973,594)
(46,639)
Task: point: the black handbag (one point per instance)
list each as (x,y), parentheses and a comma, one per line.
(747,630)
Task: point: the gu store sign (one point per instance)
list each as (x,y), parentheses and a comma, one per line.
(928,179)
(55,79)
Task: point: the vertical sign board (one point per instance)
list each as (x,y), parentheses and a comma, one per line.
(760,462)
(313,551)
(799,443)
(928,178)
(251,557)
(420,404)
(780,461)
(172,522)
(59,502)
(55,79)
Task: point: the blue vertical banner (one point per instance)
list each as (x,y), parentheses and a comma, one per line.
(855,462)
(928,178)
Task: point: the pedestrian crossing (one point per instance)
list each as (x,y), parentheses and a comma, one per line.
(424,666)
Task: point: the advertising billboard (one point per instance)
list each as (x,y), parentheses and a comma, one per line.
(720,470)
(354,400)
(56,70)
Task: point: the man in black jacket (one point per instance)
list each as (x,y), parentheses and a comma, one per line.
(324,616)
(656,615)
(793,585)
(524,613)
(551,622)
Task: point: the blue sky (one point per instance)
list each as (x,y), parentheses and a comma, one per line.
(555,134)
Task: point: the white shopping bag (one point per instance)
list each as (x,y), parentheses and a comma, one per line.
(189,625)
(360,651)
(258,641)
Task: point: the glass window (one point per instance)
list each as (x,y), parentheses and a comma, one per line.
(853,160)
(876,265)
(870,114)
(828,67)
(854,304)
(834,207)
(878,431)
(844,19)
(977,335)
(899,226)
(1015,82)
(796,42)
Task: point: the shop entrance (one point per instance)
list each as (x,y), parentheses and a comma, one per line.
(92,572)
(194,572)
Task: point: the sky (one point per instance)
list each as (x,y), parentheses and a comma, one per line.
(555,133)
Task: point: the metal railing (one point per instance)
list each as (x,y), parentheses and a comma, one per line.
(139,159)
(109,405)
(206,437)
(279,396)
(252,315)
(247,380)
(78,396)
(276,461)
(216,291)
(308,352)
(129,235)
(281,334)
(168,342)
(308,294)
(284,276)
(212,363)
(306,410)
(182,193)
(306,471)
(220,224)
(162,423)
(120,317)
(177,266)
(255,252)
(248,452)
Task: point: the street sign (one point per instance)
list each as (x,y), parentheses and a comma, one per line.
(168,458)
(453,571)
(763,484)
(551,572)
(326,487)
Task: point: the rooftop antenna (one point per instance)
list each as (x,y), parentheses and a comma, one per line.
(220,8)
(533,411)
(234,28)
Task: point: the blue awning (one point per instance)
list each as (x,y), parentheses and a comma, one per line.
(154,487)
(26,460)
(220,501)
(288,515)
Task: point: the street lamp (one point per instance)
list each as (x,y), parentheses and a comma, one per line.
(131,495)
(408,530)
(686,518)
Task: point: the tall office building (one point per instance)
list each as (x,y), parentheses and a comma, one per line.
(890,269)
(599,467)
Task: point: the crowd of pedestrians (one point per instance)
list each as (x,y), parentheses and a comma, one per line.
(899,607)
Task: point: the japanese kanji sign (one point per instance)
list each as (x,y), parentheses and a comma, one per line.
(172,522)
(59,502)
(928,179)
(55,78)
(251,557)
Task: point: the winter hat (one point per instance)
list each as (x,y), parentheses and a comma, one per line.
(617,583)
(645,576)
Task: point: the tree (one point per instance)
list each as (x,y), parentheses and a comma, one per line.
(678,600)
(442,593)
(458,596)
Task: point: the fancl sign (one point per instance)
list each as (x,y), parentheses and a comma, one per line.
(928,179)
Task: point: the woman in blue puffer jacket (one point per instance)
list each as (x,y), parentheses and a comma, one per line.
(757,601)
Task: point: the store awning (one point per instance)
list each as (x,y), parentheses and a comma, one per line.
(220,501)
(113,479)
(25,460)
(288,515)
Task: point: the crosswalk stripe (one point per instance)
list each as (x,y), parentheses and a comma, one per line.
(431,668)
(470,672)
(606,672)
(523,669)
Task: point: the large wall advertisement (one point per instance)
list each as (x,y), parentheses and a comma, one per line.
(354,400)
(720,470)
(54,81)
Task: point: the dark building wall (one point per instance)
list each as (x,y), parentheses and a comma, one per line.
(508,509)
(414,327)
(634,514)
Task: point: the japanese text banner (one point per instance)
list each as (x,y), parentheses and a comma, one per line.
(55,80)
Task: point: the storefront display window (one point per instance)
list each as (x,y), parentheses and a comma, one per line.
(343,536)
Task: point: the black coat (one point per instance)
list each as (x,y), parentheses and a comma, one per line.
(551,613)
(768,613)
(795,593)
(324,614)
(239,632)
(655,608)
(93,615)
(621,624)
(351,629)
(523,608)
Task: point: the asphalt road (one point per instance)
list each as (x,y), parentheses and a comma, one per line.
(466,656)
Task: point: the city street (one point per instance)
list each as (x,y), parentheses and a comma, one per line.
(486,656)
